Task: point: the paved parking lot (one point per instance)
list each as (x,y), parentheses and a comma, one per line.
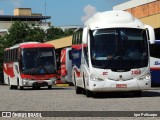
(65,99)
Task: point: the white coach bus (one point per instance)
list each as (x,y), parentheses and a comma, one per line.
(111,53)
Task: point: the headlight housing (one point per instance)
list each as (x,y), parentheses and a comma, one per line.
(146,77)
(95,78)
(53,79)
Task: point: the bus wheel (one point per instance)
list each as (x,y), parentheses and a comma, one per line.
(49,86)
(78,90)
(21,88)
(15,87)
(138,93)
(38,87)
(88,93)
(11,87)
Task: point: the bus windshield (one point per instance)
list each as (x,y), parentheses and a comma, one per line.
(38,61)
(119,48)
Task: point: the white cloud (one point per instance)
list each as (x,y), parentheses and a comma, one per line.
(1,12)
(16,3)
(89,10)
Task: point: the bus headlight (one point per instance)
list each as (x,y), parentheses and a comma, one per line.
(95,78)
(26,79)
(146,76)
(53,79)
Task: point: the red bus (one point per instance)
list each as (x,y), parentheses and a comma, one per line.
(30,64)
(66,66)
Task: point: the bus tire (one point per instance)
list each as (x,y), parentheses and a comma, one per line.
(38,87)
(21,87)
(138,93)
(77,89)
(88,93)
(49,86)
(16,87)
(84,90)
(34,87)
(11,87)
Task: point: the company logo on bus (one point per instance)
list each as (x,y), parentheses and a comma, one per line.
(157,63)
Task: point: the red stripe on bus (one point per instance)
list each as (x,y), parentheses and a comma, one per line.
(34,45)
(77,73)
(38,77)
(154,68)
(77,47)
(8,69)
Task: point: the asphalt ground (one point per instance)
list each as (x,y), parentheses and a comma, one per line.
(61,102)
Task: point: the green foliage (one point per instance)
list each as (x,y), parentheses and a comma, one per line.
(17,33)
(68,32)
(20,32)
(2,46)
(36,34)
(54,33)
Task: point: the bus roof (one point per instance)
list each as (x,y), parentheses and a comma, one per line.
(35,45)
(31,45)
(112,19)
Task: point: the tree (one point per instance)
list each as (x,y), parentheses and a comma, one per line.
(68,32)
(17,33)
(20,32)
(2,47)
(54,33)
(36,34)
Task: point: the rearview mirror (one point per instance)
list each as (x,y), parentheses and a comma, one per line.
(85,35)
(151,34)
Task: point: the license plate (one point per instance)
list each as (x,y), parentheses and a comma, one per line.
(121,86)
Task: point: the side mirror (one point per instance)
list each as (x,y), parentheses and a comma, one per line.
(85,35)
(151,34)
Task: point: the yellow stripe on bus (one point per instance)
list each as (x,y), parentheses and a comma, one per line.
(61,85)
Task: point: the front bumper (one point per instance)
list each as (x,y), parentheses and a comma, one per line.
(111,85)
(36,83)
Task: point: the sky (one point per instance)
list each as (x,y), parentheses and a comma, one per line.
(62,12)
